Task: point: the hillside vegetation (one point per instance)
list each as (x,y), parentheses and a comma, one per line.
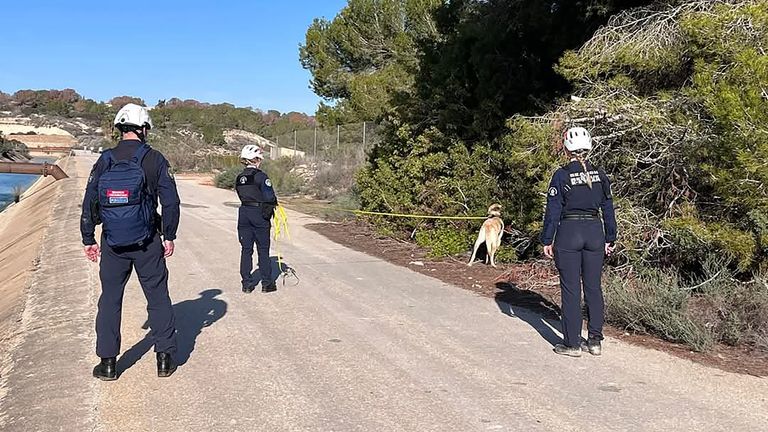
(675,93)
(191,133)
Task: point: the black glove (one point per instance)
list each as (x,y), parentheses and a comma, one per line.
(267,211)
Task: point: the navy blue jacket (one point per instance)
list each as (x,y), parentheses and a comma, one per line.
(253,185)
(569,193)
(160,184)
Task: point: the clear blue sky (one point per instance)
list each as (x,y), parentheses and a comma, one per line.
(237,51)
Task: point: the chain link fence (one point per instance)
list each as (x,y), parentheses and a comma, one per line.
(321,162)
(327,159)
(329,144)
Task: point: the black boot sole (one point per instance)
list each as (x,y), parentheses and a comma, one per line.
(105,378)
(165,374)
(573,352)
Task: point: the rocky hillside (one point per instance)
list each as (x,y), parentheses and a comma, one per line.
(12,150)
(194,135)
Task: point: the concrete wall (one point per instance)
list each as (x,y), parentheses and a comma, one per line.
(22,227)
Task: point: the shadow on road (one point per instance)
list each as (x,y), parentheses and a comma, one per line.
(531,307)
(191,317)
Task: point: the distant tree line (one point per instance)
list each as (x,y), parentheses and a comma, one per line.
(208,119)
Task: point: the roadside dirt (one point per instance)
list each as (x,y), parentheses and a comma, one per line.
(203,179)
(533,286)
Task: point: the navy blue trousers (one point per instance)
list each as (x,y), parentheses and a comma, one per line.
(579,255)
(253,228)
(115,270)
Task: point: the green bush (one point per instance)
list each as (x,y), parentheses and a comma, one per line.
(713,308)
(339,207)
(506,254)
(439,175)
(695,240)
(349,200)
(226,179)
(443,241)
(737,311)
(653,302)
(284,181)
(333,180)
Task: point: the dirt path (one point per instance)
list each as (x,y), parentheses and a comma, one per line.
(359,345)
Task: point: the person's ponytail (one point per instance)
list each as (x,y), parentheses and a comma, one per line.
(580,157)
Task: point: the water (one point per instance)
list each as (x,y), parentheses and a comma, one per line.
(7,184)
(10,181)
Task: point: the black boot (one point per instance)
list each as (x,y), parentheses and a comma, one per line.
(248,288)
(567,351)
(165,365)
(106,370)
(268,288)
(592,346)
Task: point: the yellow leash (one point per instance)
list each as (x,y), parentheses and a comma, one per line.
(280,223)
(412,216)
(281,229)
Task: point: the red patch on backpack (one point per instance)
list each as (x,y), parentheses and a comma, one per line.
(118,196)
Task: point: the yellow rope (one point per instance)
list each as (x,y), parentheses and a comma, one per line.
(281,227)
(280,222)
(404,215)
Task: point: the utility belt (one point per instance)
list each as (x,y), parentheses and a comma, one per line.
(267,209)
(581,216)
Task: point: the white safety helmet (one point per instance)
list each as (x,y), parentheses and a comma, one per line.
(578,138)
(251,152)
(133,115)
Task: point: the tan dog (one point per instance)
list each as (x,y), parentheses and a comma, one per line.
(490,233)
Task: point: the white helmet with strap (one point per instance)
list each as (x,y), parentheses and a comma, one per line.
(251,152)
(578,138)
(133,115)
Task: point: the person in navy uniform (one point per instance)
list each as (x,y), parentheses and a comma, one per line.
(579,231)
(154,241)
(258,202)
